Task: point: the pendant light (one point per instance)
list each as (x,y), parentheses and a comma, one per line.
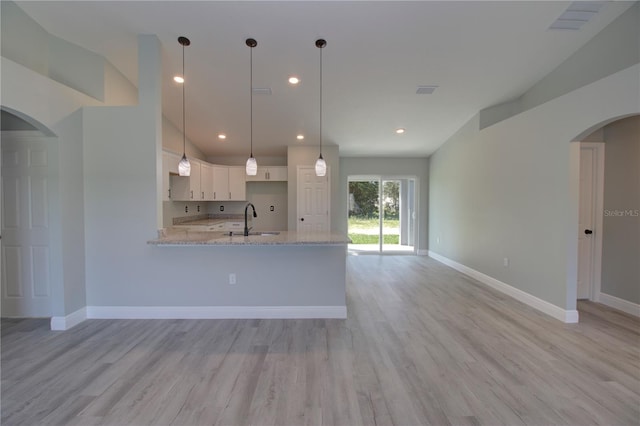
(184,167)
(321,165)
(252,164)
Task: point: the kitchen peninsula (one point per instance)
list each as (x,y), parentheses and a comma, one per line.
(285,274)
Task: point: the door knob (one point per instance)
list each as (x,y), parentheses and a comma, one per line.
(588,231)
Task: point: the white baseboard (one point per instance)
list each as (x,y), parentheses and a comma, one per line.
(567,316)
(66,322)
(620,304)
(215,312)
(423,252)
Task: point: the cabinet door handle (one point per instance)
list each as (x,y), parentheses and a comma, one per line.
(203,195)
(192,194)
(229,195)
(169,192)
(214,195)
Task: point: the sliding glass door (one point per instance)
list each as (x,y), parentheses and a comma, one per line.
(381,214)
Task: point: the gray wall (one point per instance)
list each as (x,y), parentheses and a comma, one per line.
(418,167)
(621,233)
(510,190)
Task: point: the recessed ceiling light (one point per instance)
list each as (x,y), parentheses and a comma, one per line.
(294,80)
(300,137)
(400,131)
(222,136)
(178,79)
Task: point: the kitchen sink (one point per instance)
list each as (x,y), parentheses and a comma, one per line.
(265,233)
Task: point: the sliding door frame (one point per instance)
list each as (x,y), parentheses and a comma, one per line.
(380,179)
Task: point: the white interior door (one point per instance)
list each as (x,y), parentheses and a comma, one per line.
(590,220)
(26,283)
(313,200)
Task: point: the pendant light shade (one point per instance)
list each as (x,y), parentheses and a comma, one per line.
(252,165)
(184,167)
(321,165)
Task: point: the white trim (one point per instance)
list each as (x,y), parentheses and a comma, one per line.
(215,312)
(422,252)
(568,316)
(620,304)
(71,320)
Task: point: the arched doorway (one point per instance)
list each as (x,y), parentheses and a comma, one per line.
(609,215)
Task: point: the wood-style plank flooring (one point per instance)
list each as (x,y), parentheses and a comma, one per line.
(423,344)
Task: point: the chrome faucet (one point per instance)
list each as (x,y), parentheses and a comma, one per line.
(246,227)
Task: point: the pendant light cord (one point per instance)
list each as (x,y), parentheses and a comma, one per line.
(251,97)
(184,125)
(320,102)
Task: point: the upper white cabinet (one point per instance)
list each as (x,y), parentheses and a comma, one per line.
(169,166)
(229,183)
(237,183)
(187,188)
(208,182)
(221,183)
(269,173)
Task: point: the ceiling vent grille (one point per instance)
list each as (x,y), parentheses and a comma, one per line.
(425,90)
(262,91)
(577,14)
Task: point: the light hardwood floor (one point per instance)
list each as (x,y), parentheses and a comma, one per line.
(423,344)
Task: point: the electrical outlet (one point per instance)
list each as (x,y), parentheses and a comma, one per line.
(437,240)
(221,208)
(198,209)
(232,278)
(505,262)
(271,208)
(186,209)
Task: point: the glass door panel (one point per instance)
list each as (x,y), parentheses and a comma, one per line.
(391,214)
(364,215)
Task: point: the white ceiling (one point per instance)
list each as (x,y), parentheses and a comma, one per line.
(478,53)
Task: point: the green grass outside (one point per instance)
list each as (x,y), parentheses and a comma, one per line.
(373,239)
(362,223)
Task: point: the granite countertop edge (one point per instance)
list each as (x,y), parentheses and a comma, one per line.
(180,237)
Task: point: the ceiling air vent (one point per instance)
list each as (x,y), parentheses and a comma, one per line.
(425,90)
(577,14)
(262,91)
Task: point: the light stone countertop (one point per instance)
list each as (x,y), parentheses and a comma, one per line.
(184,237)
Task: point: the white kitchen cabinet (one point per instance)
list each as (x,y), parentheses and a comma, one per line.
(220,183)
(169,166)
(187,188)
(269,174)
(229,183)
(206,182)
(237,184)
